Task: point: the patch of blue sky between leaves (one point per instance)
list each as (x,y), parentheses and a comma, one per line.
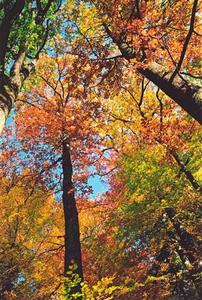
(99,186)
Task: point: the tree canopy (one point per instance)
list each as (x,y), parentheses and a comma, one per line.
(100,94)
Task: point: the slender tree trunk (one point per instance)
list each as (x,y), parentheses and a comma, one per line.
(72,234)
(187,173)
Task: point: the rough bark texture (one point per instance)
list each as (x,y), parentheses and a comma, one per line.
(10,84)
(6,87)
(187,95)
(6,25)
(72,233)
(184,93)
(6,102)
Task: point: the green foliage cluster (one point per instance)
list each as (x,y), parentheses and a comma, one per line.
(104,289)
(31,30)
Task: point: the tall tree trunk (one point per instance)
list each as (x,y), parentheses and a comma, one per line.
(186,94)
(5,28)
(10,84)
(186,240)
(72,234)
(6,102)
(10,87)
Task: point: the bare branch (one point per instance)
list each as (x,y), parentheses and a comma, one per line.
(186,42)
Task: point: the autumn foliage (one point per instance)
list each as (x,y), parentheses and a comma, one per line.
(100,157)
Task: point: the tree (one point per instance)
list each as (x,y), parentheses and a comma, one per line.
(25,27)
(59,135)
(156,190)
(30,247)
(145,33)
(158,39)
(153,223)
(89,109)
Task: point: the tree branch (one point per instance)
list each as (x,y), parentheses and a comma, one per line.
(187,39)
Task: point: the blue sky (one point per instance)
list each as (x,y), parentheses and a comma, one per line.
(99,186)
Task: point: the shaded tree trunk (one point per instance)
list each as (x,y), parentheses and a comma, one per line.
(186,240)
(187,95)
(187,173)
(188,252)
(72,234)
(7,287)
(185,280)
(6,101)
(10,84)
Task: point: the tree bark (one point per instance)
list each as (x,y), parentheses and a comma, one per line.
(72,254)
(6,26)
(10,84)
(187,173)
(186,240)
(6,102)
(3,116)
(8,89)
(187,95)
